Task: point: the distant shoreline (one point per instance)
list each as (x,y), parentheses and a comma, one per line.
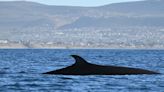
(86,48)
(58,46)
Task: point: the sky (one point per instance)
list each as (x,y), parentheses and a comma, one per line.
(76,2)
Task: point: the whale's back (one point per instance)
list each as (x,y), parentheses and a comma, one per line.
(82,67)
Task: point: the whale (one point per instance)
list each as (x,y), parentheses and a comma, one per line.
(82,67)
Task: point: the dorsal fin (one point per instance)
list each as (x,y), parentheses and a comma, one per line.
(79,60)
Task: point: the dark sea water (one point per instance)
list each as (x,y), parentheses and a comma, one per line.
(20,70)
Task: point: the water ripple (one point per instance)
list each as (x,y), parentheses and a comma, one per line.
(20,70)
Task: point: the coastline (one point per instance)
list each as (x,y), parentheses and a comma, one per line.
(58,46)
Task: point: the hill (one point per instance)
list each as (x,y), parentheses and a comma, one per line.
(138,24)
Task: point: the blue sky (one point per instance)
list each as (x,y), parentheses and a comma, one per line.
(76,2)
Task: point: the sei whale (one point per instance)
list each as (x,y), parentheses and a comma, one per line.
(82,67)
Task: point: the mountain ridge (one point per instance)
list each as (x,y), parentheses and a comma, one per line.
(31,10)
(102,26)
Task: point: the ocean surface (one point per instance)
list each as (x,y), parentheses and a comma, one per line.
(20,70)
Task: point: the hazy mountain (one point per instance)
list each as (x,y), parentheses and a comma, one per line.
(138,7)
(21,14)
(140,13)
(33,22)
